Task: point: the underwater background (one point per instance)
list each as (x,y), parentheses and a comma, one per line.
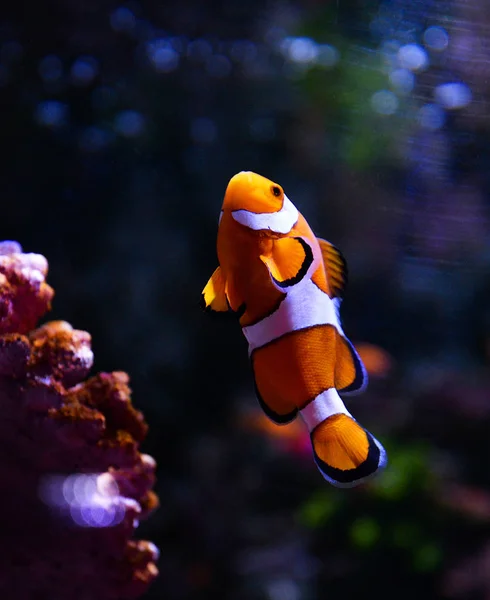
(121,124)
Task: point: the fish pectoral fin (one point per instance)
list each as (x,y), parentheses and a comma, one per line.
(335,267)
(214,295)
(288,261)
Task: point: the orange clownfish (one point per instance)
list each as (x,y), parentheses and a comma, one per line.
(286,286)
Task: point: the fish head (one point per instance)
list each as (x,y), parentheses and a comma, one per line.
(259,204)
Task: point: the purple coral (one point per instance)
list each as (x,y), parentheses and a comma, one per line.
(74,481)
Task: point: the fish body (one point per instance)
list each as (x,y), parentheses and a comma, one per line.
(286,286)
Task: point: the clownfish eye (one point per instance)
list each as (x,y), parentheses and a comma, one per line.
(276,190)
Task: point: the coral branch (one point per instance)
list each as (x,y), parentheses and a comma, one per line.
(74,481)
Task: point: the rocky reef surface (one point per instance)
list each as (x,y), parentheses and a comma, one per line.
(74,482)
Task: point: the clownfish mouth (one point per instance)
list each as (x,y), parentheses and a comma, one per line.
(279,222)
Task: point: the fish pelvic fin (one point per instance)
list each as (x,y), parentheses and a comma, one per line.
(345,453)
(213,295)
(350,374)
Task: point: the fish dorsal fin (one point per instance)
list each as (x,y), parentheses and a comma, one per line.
(335,267)
(214,295)
(289,261)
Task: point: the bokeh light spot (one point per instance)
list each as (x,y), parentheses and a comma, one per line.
(453,95)
(199,49)
(431,117)
(50,69)
(318,510)
(89,500)
(11,51)
(67,489)
(427,557)
(274,35)
(243,51)
(98,515)
(84,487)
(301,50)
(129,123)
(84,70)
(162,55)
(436,38)
(122,19)
(218,66)
(51,491)
(384,102)
(94,138)
(328,56)
(106,485)
(413,57)
(283,589)
(179,43)
(51,113)
(365,532)
(402,80)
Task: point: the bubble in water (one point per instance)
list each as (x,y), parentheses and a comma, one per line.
(129,123)
(413,57)
(384,102)
(51,113)
(453,95)
(436,38)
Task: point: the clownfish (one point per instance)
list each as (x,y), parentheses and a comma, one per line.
(286,286)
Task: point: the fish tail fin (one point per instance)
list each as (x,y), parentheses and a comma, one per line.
(345,452)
